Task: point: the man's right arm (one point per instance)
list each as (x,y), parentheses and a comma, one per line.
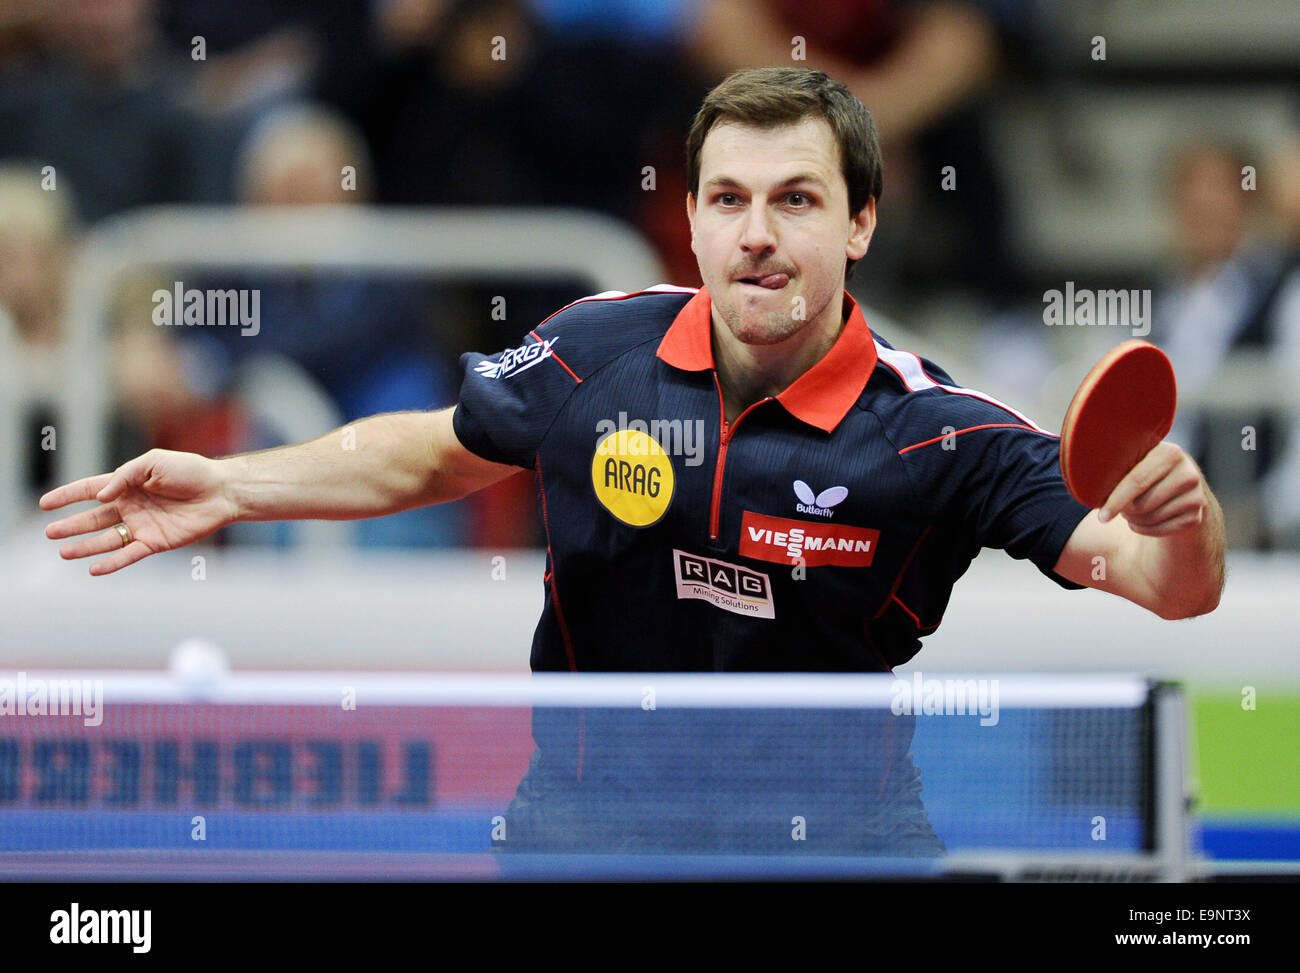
(166,499)
(370,468)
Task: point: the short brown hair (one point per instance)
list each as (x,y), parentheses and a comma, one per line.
(775,97)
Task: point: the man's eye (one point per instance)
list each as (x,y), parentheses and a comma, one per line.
(727,199)
(798,199)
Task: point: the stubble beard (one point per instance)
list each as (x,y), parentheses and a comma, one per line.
(761,327)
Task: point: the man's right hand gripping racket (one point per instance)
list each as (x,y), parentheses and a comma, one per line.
(1123,409)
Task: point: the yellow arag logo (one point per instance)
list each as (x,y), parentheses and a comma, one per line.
(633,477)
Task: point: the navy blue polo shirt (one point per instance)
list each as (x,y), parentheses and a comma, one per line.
(821,531)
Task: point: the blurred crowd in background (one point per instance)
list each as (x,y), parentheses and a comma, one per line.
(255,102)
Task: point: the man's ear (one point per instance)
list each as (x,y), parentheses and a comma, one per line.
(690,217)
(860,230)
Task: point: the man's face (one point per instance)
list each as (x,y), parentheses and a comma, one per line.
(771,228)
(1209,207)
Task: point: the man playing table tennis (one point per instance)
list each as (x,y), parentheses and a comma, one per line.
(844,486)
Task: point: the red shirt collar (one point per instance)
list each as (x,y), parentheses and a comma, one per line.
(821,396)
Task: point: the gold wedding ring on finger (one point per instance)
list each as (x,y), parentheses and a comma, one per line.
(125,531)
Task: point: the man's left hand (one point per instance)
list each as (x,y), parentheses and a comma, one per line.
(1162,495)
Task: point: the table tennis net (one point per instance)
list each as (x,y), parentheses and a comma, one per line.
(640,764)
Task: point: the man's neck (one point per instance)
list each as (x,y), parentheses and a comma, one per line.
(749,373)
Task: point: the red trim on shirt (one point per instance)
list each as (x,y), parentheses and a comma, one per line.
(969,393)
(913,614)
(907,563)
(894,368)
(616,297)
(555,595)
(534,334)
(559,615)
(987,425)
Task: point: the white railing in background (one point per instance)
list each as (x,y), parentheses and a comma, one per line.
(462,243)
(13,404)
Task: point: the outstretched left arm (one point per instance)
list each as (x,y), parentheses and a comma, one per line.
(1165,549)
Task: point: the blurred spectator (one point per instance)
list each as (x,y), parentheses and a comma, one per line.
(322,319)
(36,229)
(919,68)
(1280,491)
(164,398)
(538,117)
(909,63)
(96,104)
(259,52)
(370,344)
(37,236)
(19,34)
(591,92)
(1221,297)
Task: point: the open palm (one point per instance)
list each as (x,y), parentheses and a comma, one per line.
(167,499)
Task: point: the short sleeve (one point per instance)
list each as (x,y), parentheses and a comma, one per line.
(1001,481)
(508,401)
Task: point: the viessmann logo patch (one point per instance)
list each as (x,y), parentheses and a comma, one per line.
(786,541)
(729,586)
(632,477)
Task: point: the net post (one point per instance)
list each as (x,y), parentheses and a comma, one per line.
(1171,797)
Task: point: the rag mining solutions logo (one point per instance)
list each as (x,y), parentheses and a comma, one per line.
(727,586)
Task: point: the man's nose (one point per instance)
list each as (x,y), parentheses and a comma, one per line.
(757,236)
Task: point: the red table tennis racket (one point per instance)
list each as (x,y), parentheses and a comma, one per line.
(1123,409)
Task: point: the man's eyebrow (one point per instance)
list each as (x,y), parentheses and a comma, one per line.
(810,178)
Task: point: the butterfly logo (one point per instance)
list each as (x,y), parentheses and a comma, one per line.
(818,503)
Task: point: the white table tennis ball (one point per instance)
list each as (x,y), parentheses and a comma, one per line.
(198,662)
